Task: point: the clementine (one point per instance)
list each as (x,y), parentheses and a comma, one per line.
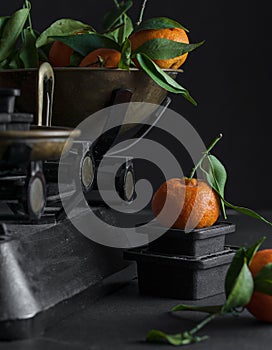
(60,54)
(192,202)
(176,34)
(108,58)
(260,305)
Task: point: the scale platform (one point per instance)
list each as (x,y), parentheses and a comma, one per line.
(49,270)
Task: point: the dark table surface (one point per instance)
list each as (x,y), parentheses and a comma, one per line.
(122,319)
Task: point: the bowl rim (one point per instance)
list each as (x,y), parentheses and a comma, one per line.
(40,132)
(92,69)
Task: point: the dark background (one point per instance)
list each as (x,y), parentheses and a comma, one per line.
(228,76)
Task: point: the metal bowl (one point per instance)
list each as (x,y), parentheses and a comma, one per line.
(46,143)
(79,92)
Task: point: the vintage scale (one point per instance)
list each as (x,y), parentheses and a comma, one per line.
(47,268)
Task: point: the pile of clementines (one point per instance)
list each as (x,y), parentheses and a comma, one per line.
(153,44)
(60,53)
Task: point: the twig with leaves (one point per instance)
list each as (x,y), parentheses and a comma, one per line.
(216,176)
(239,287)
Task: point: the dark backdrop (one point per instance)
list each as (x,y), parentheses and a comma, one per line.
(228,76)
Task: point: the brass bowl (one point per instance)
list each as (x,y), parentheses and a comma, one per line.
(46,143)
(79,92)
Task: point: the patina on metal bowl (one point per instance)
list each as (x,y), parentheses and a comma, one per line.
(79,92)
(46,143)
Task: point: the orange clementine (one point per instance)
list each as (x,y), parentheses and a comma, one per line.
(192,201)
(60,54)
(260,304)
(176,34)
(108,58)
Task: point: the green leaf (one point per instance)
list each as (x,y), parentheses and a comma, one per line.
(126,30)
(217,177)
(75,59)
(4,64)
(114,33)
(248,212)
(62,27)
(208,309)
(162,78)
(251,251)
(234,270)
(122,31)
(113,16)
(155,336)
(241,210)
(29,53)
(85,43)
(241,291)
(27,4)
(125,55)
(43,55)
(263,280)
(219,173)
(3,21)
(11,31)
(44,52)
(237,264)
(15,61)
(201,160)
(163,49)
(159,23)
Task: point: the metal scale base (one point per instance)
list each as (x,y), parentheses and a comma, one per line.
(50,270)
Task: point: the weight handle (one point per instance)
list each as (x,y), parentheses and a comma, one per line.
(46,84)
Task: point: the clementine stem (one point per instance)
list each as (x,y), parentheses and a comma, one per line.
(205,155)
(142,12)
(28,6)
(204,322)
(116,3)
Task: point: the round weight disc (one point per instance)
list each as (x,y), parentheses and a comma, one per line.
(36,196)
(129,185)
(87,172)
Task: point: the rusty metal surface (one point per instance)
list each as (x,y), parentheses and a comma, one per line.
(80,92)
(45,142)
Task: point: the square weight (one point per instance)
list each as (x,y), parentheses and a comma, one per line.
(15,121)
(197,242)
(181,277)
(7,99)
